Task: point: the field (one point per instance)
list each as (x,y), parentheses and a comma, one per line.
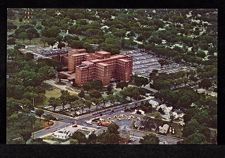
(54,92)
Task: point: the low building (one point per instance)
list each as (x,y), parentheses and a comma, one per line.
(154,103)
(164,129)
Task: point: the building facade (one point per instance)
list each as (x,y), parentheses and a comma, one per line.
(100,66)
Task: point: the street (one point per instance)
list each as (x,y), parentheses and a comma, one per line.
(81,120)
(57,125)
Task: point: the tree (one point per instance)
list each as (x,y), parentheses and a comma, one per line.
(113,128)
(23,35)
(96,101)
(39,112)
(196,138)
(54,102)
(11,41)
(191,127)
(189,114)
(51,32)
(193,78)
(50,41)
(201,54)
(150,139)
(73,98)
(139,81)
(88,103)
(74,141)
(12,106)
(44,40)
(92,138)
(111,98)
(26,134)
(121,85)
(95,84)
(109,88)
(75,105)
(75,44)
(201,116)
(152,75)
(30,36)
(49,117)
(79,136)
(59,38)
(110,138)
(162,62)
(95,94)
(37,141)
(65,97)
(11,26)
(81,94)
(60,45)
(205,83)
(130,92)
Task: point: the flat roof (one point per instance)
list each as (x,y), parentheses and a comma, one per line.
(79,54)
(125,60)
(103,64)
(107,59)
(103,52)
(82,66)
(87,63)
(78,50)
(95,60)
(118,56)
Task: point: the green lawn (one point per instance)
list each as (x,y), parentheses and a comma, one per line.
(55,92)
(40,124)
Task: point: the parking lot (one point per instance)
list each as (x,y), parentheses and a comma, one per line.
(144,62)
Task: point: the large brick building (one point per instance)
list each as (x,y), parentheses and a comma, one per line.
(99,66)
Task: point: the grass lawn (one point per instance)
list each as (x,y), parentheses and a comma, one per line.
(55,140)
(55,92)
(40,124)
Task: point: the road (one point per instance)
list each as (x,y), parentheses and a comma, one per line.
(57,125)
(80,120)
(150,89)
(67,120)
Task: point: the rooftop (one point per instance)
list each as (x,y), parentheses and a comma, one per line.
(80,54)
(103,52)
(103,64)
(87,62)
(124,60)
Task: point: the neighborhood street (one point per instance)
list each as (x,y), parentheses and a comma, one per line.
(65,121)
